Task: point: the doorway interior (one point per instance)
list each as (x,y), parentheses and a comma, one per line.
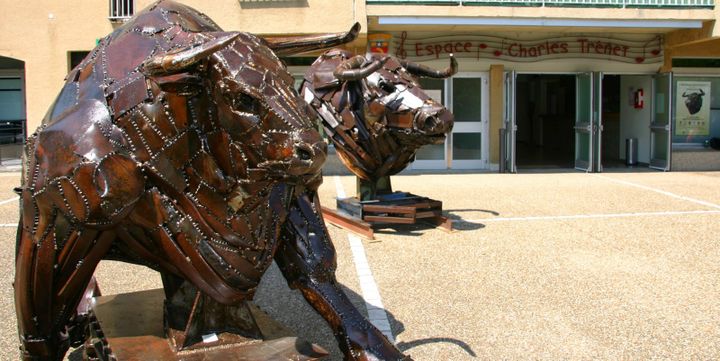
(611,139)
(626,113)
(545,117)
(557,113)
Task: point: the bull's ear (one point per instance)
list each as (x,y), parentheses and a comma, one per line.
(290,45)
(180,60)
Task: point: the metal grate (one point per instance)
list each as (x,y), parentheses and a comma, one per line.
(686,4)
(121,9)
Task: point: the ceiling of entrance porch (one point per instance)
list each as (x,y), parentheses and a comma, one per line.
(496,25)
(527,19)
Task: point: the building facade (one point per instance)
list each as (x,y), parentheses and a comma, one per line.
(586,84)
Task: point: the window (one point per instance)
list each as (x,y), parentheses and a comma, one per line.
(12,110)
(75,58)
(121,9)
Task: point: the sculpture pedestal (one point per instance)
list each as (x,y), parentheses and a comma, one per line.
(130,326)
(397,207)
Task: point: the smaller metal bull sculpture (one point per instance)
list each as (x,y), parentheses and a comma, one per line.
(184,148)
(377,116)
(694,101)
(375,111)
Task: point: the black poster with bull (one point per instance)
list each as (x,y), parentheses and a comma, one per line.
(692,110)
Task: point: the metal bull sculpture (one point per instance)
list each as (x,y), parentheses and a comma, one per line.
(377,116)
(186,149)
(375,111)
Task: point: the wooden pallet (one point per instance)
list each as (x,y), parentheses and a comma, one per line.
(392,208)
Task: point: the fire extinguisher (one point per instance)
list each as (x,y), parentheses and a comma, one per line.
(639,99)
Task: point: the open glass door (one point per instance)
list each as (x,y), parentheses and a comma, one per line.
(583,122)
(510,124)
(660,128)
(597,126)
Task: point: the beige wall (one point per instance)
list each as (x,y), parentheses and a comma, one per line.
(41,32)
(497,105)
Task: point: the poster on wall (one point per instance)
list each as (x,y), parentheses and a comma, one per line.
(692,110)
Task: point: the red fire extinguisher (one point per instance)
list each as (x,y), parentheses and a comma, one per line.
(639,99)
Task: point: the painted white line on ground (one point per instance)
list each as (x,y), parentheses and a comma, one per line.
(4,225)
(373,302)
(586,216)
(9,200)
(339,188)
(368,287)
(669,194)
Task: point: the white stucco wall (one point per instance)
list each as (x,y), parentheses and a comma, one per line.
(635,123)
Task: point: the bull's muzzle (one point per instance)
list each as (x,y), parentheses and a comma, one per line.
(434,121)
(309,154)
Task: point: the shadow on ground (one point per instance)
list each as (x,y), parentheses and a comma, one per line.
(290,309)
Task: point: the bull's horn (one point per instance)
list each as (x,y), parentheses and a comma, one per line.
(351,69)
(179,60)
(284,46)
(424,71)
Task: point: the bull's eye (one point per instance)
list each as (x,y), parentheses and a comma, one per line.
(245,102)
(387,87)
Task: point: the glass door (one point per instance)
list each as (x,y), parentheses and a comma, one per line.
(660,127)
(510,124)
(433,156)
(583,122)
(597,126)
(469,146)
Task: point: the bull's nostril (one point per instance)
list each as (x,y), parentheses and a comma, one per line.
(303,153)
(430,122)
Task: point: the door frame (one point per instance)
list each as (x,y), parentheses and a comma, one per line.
(511,110)
(598,167)
(483,126)
(510,120)
(584,124)
(19,73)
(596,127)
(655,128)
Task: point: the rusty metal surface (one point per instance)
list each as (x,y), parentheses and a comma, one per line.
(351,223)
(182,147)
(374,110)
(128,327)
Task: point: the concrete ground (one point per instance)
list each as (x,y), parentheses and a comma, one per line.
(541,266)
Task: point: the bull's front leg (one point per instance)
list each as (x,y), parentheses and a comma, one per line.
(307,259)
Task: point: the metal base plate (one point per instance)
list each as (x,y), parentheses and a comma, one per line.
(130,327)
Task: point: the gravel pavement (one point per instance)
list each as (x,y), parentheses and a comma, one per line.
(541,266)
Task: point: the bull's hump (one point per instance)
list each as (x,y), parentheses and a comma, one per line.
(161,27)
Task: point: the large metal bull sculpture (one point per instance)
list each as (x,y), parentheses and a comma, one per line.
(375,111)
(184,148)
